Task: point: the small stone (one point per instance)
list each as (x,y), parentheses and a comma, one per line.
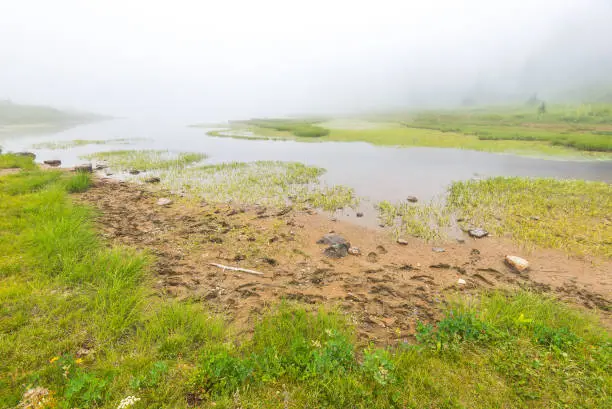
(134,171)
(461,241)
(478,233)
(86,168)
(153,179)
(334,219)
(101,166)
(359,214)
(412,199)
(517,263)
(403,242)
(461,281)
(355,251)
(53,162)
(164,202)
(438,249)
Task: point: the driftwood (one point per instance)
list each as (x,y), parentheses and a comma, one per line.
(243,270)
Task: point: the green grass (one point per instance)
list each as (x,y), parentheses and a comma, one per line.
(271,183)
(298,127)
(565,214)
(80,320)
(569,132)
(569,215)
(124,160)
(8,161)
(83,142)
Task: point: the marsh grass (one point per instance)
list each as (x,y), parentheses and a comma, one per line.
(569,215)
(146,159)
(10,161)
(272,183)
(79,318)
(573,215)
(84,142)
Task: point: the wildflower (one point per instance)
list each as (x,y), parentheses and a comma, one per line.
(329,332)
(55,358)
(78,361)
(315,343)
(127,402)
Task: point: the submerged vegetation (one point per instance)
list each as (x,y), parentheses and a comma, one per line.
(147,159)
(84,142)
(570,215)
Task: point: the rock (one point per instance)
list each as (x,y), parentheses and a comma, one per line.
(29,154)
(372,257)
(85,167)
(331,239)
(412,199)
(101,166)
(133,171)
(153,179)
(164,202)
(355,251)
(403,242)
(336,251)
(517,263)
(438,249)
(333,219)
(461,241)
(359,214)
(478,233)
(461,281)
(53,162)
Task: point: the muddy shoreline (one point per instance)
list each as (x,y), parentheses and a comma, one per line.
(386,290)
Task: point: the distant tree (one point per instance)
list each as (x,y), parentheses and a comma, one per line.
(533,100)
(542,108)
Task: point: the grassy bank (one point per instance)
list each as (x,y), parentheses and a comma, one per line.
(569,215)
(571,132)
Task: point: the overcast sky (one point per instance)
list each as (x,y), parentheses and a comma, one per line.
(205,59)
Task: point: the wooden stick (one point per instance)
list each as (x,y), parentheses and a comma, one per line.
(244,270)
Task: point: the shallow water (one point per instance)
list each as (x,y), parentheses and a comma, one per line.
(376,173)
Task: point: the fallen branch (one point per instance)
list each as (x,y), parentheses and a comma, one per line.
(244,270)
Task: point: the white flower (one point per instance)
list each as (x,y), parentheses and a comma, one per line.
(127,402)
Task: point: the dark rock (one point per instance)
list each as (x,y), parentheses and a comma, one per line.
(101,166)
(29,154)
(403,242)
(331,239)
(441,265)
(153,179)
(86,167)
(336,251)
(478,233)
(53,162)
(359,214)
(412,199)
(133,171)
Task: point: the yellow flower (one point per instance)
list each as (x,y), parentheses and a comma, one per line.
(55,358)
(78,361)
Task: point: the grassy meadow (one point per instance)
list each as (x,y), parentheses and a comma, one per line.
(81,325)
(570,132)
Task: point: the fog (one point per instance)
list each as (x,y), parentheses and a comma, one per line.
(207,60)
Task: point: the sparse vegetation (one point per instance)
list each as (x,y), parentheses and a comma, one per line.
(298,127)
(571,215)
(146,159)
(84,142)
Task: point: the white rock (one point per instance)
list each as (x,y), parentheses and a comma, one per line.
(164,202)
(519,264)
(461,281)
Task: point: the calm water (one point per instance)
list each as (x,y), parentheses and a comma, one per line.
(377,173)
